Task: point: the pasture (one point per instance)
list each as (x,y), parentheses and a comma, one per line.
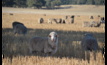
(15,47)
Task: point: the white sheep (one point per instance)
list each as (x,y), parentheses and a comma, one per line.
(47,45)
(52,21)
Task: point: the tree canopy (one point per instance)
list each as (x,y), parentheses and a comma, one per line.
(49,3)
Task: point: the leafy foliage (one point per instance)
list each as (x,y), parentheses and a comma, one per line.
(48,3)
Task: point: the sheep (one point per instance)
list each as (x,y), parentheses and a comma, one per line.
(15,23)
(52,21)
(91,17)
(68,19)
(47,45)
(65,17)
(102,20)
(89,42)
(59,20)
(91,24)
(99,16)
(20,29)
(11,13)
(40,20)
(64,20)
(72,19)
(86,24)
(95,24)
(49,21)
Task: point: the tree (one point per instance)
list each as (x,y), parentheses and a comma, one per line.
(50,4)
(30,3)
(20,3)
(35,3)
(90,2)
(99,2)
(39,3)
(8,3)
(81,1)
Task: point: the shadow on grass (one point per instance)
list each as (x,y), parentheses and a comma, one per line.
(65,7)
(69,42)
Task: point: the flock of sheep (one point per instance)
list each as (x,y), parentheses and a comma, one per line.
(94,23)
(70,19)
(49,45)
(66,19)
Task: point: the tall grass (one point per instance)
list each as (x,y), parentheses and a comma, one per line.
(15,49)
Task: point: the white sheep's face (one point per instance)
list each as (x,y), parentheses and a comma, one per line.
(53,38)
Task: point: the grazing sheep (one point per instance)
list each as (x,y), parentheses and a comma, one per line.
(47,45)
(102,20)
(86,24)
(65,17)
(52,21)
(15,23)
(99,16)
(72,19)
(91,24)
(89,42)
(20,29)
(40,20)
(91,17)
(95,24)
(63,20)
(59,20)
(68,19)
(11,13)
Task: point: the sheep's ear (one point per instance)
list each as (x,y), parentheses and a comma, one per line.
(56,36)
(49,35)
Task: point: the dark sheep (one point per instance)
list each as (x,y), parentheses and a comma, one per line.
(72,17)
(102,20)
(40,20)
(15,23)
(91,17)
(19,28)
(11,13)
(89,42)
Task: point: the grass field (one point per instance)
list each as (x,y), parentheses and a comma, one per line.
(15,47)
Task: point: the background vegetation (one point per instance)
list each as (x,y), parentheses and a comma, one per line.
(49,3)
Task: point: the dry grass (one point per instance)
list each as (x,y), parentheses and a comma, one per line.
(15,48)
